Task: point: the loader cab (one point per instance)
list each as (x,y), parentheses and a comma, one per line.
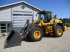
(45,15)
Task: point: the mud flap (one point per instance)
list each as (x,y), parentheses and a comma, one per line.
(14,39)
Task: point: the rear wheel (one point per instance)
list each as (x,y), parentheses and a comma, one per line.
(58,31)
(35,34)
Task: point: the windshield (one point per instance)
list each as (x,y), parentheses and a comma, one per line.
(45,16)
(41,16)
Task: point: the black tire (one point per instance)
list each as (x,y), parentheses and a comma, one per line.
(55,31)
(31,34)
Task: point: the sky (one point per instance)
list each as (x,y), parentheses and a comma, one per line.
(61,8)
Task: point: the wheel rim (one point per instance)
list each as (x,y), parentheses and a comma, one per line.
(37,34)
(59,31)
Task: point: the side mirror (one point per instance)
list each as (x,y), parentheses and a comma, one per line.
(55,16)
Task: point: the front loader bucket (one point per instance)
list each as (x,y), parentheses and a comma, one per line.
(14,39)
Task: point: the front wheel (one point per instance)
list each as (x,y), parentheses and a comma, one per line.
(35,34)
(58,31)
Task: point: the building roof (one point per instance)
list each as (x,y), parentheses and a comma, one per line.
(18,3)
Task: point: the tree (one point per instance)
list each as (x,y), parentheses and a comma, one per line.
(66,21)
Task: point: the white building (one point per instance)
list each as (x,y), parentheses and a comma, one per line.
(16,14)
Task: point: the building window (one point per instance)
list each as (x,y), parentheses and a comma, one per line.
(22,14)
(3,24)
(2,31)
(3,28)
(23,11)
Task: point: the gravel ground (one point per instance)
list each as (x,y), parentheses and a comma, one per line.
(47,44)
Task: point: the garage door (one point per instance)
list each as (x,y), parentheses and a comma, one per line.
(19,18)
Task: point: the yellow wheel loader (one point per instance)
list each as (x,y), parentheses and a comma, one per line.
(46,24)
